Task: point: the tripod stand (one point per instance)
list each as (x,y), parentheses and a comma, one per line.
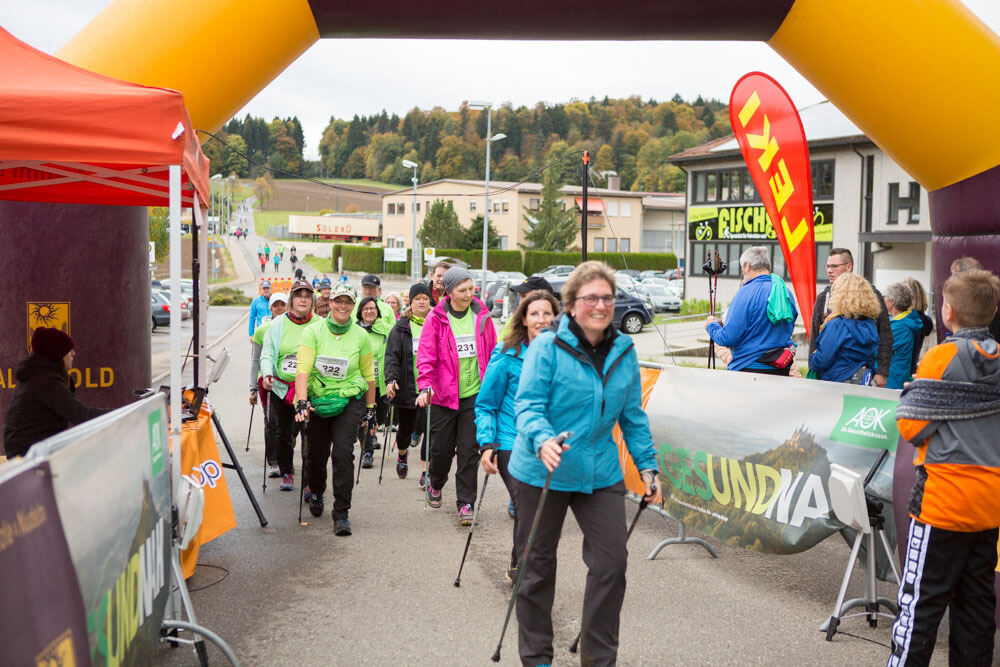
(234,464)
(867,531)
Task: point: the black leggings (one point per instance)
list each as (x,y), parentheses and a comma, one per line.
(453,435)
(332,438)
(411,422)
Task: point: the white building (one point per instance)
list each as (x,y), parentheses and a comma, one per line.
(862,199)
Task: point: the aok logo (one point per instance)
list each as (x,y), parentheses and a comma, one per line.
(869,419)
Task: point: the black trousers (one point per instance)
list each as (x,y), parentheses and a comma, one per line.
(333,438)
(411,422)
(270,429)
(281,418)
(381,412)
(944,568)
(601,517)
(503,460)
(453,433)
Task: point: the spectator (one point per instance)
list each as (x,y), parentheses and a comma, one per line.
(323,300)
(963,264)
(905,326)
(436,281)
(760,319)
(842,261)
(278,305)
(919,306)
(43,403)
(371,286)
(393,302)
(315,281)
(848,338)
(260,308)
(530,284)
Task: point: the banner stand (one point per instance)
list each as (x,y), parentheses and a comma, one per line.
(682,536)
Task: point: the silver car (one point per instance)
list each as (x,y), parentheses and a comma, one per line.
(664,298)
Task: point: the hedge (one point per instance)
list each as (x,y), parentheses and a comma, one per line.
(496,260)
(536,260)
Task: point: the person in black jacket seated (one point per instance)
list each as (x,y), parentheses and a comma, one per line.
(43,402)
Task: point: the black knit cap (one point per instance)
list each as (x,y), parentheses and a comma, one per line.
(420,288)
(51,343)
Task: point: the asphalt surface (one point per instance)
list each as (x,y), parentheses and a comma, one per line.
(294,594)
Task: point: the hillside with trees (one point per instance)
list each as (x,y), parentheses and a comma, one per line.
(629,136)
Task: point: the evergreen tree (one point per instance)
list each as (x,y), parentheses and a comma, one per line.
(441,228)
(474,236)
(669,122)
(551,227)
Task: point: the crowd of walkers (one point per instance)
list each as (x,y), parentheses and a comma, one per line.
(331,369)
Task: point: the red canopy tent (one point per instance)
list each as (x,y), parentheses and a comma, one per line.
(71,136)
(68,135)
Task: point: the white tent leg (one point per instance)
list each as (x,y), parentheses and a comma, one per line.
(175,326)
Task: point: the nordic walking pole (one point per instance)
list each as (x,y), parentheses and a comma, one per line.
(385,443)
(560,439)
(642,505)
(427,451)
(302,451)
(468,541)
(250,430)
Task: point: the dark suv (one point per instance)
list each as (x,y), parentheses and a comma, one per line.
(631,314)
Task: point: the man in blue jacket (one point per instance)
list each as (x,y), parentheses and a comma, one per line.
(759,322)
(259,308)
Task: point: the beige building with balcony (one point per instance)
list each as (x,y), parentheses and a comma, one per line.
(615,219)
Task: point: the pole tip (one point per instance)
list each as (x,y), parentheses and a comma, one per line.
(496,657)
(458,584)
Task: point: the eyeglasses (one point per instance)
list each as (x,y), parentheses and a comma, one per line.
(833,266)
(592,299)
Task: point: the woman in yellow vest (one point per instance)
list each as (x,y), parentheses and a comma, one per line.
(334,392)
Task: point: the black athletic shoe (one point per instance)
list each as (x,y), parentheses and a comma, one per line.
(316,505)
(366,460)
(342,527)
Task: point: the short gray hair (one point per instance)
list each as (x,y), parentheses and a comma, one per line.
(757,257)
(900,295)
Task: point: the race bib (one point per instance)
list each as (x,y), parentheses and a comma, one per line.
(466,346)
(289,364)
(375,366)
(332,367)
(416,343)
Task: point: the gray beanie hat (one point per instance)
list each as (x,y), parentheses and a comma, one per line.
(453,276)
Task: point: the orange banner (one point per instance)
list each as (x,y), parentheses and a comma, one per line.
(773,143)
(633,483)
(200,463)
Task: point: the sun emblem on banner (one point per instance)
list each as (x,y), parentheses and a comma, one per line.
(54,314)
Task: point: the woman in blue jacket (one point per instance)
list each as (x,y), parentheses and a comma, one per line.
(495,427)
(906,325)
(848,339)
(582,378)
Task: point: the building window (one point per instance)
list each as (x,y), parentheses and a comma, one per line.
(906,209)
(626,209)
(749,191)
(710,181)
(737,184)
(612,245)
(506,205)
(598,245)
(392,209)
(699,186)
(534,203)
(822,175)
(496,206)
(503,242)
(417,205)
(612,209)
(472,206)
(625,243)
(400,209)
(724,186)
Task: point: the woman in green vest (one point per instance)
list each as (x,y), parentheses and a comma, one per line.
(368,319)
(335,392)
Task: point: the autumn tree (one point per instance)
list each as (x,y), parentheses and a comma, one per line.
(262,190)
(552,226)
(441,228)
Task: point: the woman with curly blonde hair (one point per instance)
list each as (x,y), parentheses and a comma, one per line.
(848,339)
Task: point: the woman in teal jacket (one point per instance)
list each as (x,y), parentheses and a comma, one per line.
(495,427)
(583,378)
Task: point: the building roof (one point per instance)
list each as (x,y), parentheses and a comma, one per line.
(496,186)
(665,202)
(824,124)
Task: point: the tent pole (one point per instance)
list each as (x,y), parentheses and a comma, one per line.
(175,325)
(196,300)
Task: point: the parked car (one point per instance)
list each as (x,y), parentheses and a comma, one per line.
(630,272)
(674,274)
(512,277)
(491,291)
(477,279)
(185,304)
(187,290)
(159,309)
(454,261)
(663,298)
(638,291)
(556,270)
(495,299)
(630,315)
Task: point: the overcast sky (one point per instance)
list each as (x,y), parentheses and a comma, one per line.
(363,76)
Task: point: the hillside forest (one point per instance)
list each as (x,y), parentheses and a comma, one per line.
(630,137)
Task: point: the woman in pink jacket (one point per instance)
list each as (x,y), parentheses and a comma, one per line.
(455,346)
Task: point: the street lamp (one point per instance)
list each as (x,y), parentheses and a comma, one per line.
(490,138)
(415,254)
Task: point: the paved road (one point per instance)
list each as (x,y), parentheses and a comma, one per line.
(297,595)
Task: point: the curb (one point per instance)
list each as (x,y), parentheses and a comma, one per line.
(208,347)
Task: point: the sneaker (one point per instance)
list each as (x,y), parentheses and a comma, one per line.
(512,573)
(401,466)
(287,482)
(465,515)
(306,493)
(316,504)
(510,509)
(423,479)
(273,470)
(342,527)
(434,499)
(366,460)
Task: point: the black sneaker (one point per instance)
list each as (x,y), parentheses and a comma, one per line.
(342,527)
(401,465)
(316,505)
(366,460)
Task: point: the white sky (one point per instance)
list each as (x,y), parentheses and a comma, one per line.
(344,77)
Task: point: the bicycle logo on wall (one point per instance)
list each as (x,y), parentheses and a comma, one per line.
(703,232)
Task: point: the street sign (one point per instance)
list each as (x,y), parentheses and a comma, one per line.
(430,254)
(152,252)
(394,255)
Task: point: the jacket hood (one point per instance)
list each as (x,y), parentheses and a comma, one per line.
(856,331)
(912,321)
(35,364)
